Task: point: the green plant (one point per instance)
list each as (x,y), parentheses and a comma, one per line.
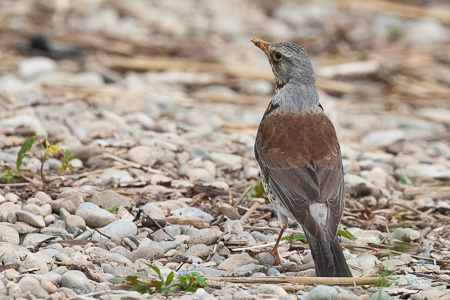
(113,209)
(142,283)
(9,175)
(295,237)
(404,177)
(48,150)
(191,282)
(345,233)
(256,191)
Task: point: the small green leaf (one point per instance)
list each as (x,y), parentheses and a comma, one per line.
(157,271)
(345,233)
(256,191)
(404,177)
(24,149)
(113,209)
(201,281)
(142,288)
(132,279)
(158,285)
(169,278)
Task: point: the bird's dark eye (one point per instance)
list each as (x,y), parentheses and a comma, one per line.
(277,56)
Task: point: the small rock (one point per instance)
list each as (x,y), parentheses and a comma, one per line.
(271,289)
(76,280)
(36,66)
(347,296)
(193,212)
(206,236)
(266,259)
(235,261)
(94,216)
(198,250)
(30,218)
(243,295)
(358,187)
(70,203)
(392,140)
(108,199)
(118,228)
(119,176)
(403,234)
(31,285)
(75,221)
(322,292)
(9,234)
(379,295)
(147,250)
(197,174)
(143,155)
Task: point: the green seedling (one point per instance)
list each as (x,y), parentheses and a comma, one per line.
(295,237)
(345,233)
(142,283)
(256,191)
(9,175)
(191,282)
(48,150)
(113,209)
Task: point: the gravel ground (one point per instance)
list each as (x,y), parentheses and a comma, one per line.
(172,147)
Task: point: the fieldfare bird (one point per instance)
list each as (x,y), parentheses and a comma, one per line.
(300,158)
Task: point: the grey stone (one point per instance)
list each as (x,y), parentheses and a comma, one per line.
(235,261)
(169,245)
(9,234)
(71,202)
(199,250)
(37,65)
(322,292)
(147,250)
(76,280)
(75,221)
(168,233)
(271,289)
(118,228)
(32,285)
(108,199)
(273,272)
(206,236)
(380,295)
(54,231)
(119,176)
(403,234)
(192,212)
(143,155)
(94,216)
(31,218)
(266,258)
(391,139)
(347,296)
(242,295)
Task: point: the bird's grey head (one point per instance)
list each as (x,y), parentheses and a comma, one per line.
(289,62)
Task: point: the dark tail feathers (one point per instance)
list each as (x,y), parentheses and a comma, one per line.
(328,258)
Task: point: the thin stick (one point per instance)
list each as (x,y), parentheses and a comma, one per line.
(271,228)
(242,196)
(249,212)
(300,280)
(132,164)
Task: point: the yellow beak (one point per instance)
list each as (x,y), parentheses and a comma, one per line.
(264,46)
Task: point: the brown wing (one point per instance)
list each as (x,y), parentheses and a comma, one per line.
(299,156)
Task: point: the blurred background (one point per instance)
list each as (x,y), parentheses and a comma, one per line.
(78,71)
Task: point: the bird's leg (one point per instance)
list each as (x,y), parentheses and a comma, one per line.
(275,247)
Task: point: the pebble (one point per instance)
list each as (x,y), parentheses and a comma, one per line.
(70,201)
(206,236)
(118,228)
(76,280)
(108,199)
(198,250)
(30,218)
(9,234)
(147,250)
(36,66)
(235,261)
(94,216)
(75,221)
(142,155)
(379,295)
(322,292)
(271,289)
